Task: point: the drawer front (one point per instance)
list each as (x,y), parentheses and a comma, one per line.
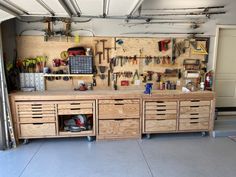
(37,130)
(194,109)
(195,103)
(75,107)
(119,101)
(160,110)
(194,115)
(160,125)
(194,125)
(36,112)
(120,128)
(119,110)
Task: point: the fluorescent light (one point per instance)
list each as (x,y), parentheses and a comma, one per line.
(135,7)
(9,10)
(66,7)
(76,7)
(45,6)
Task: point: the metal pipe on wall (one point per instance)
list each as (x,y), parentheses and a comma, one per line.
(3,98)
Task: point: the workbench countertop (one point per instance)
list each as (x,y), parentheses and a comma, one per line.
(107,94)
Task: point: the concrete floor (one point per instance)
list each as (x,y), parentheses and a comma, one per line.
(181,155)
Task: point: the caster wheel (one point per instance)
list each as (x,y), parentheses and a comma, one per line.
(26,141)
(204,134)
(90,138)
(148,136)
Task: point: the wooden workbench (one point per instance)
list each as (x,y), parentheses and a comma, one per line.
(116,114)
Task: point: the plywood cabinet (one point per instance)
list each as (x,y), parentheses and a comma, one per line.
(159,116)
(36,119)
(180,115)
(194,115)
(118,118)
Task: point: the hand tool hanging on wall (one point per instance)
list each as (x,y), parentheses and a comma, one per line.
(163,45)
(100,57)
(103,47)
(150,74)
(96,47)
(109,78)
(135,61)
(108,54)
(136,75)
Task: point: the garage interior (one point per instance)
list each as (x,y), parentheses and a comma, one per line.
(99,88)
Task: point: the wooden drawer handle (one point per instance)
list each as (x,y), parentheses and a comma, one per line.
(161,105)
(161,119)
(119,99)
(75,104)
(36,104)
(39,117)
(194,106)
(194,114)
(195,100)
(119,104)
(194,122)
(74,109)
(161,110)
(118,119)
(37,123)
(194,118)
(160,114)
(159,101)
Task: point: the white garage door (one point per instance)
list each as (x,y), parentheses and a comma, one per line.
(225,84)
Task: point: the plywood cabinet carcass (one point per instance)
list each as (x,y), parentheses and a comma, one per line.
(119,118)
(36,119)
(194,115)
(160,116)
(180,115)
(44,119)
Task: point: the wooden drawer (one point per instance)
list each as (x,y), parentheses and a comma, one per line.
(119,101)
(37,130)
(194,109)
(195,103)
(160,108)
(161,116)
(36,112)
(119,128)
(194,124)
(118,109)
(75,107)
(194,115)
(160,125)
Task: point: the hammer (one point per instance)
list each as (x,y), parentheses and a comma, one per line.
(96,47)
(100,58)
(103,47)
(108,57)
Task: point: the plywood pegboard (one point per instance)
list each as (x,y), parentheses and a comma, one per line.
(32,46)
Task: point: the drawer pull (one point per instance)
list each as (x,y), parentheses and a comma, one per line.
(74,109)
(37,123)
(194,106)
(36,104)
(160,114)
(39,117)
(160,102)
(194,122)
(75,104)
(194,118)
(119,99)
(161,110)
(161,119)
(194,114)
(161,105)
(118,119)
(119,104)
(195,100)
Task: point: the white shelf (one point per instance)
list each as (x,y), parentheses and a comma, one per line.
(68,75)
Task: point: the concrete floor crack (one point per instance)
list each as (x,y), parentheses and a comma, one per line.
(145,159)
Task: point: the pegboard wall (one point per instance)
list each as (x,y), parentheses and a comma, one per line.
(125,48)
